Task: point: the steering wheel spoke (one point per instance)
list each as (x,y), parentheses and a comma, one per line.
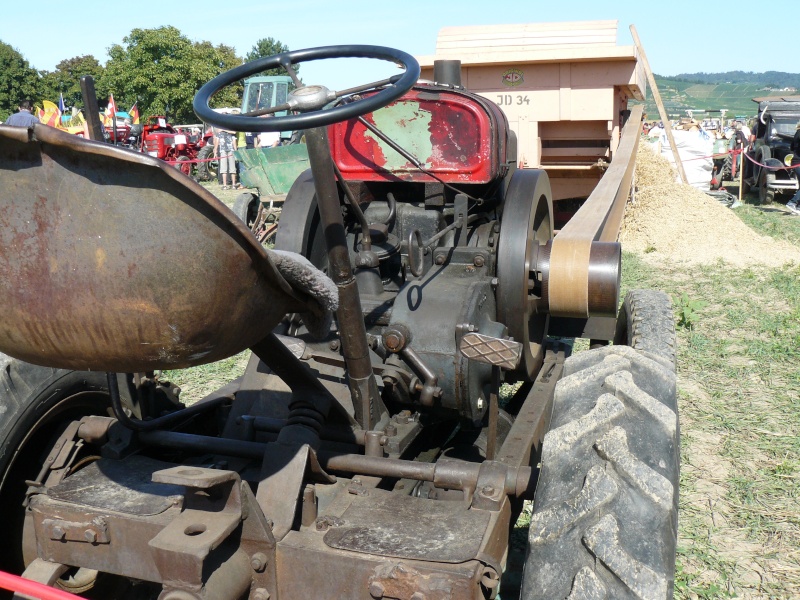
(368,86)
(311,102)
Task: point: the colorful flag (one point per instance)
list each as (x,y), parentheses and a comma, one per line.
(111,112)
(61,106)
(50,115)
(134,113)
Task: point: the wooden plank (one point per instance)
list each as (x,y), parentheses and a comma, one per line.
(659,104)
(470,30)
(533,54)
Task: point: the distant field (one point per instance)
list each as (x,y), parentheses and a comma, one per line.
(681,95)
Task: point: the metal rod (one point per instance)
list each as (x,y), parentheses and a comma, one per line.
(412,159)
(454,474)
(494,409)
(355,348)
(92,110)
(369,86)
(274,425)
(366,239)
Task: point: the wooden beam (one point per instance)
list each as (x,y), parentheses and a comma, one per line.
(659,104)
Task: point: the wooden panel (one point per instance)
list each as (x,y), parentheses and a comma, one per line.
(522,36)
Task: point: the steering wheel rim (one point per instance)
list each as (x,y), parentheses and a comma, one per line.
(317,117)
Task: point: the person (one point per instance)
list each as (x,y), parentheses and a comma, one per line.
(23,118)
(269,139)
(739,144)
(224,146)
(792,204)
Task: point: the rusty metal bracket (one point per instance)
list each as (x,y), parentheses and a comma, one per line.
(283,477)
(490,490)
(213,511)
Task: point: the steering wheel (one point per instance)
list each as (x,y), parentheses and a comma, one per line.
(310,100)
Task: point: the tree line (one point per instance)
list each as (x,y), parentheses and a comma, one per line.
(158,69)
(768,79)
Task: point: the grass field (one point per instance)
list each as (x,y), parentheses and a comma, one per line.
(739,382)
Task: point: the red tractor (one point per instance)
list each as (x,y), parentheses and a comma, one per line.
(160,139)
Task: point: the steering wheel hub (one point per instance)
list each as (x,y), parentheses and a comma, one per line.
(310,97)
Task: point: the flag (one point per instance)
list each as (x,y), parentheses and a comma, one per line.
(61,106)
(50,115)
(111,112)
(134,113)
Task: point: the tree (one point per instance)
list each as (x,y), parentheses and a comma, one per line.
(18,80)
(66,80)
(268,47)
(162,69)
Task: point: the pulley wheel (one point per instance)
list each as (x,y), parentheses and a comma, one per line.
(526,226)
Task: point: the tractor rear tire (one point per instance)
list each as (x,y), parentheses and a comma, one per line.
(605,516)
(207,170)
(36,403)
(646,323)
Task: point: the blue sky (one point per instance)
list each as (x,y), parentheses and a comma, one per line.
(678,36)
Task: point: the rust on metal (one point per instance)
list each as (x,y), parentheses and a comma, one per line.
(114,261)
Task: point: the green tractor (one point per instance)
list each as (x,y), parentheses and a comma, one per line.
(270,171)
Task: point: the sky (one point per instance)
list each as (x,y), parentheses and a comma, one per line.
(677,36)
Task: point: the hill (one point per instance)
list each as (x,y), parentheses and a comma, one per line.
(714,91)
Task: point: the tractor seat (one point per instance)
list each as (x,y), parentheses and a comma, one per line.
(114,261)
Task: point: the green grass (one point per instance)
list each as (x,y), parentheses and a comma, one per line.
(772,220)
(198,382)
(739,374)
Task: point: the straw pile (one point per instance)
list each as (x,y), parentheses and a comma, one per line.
(672,222)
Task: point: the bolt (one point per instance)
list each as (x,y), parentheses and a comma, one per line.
(396,338)
(90,536)
(321,524)
(334,345)
(478,261)
(58,533)
(440,259)
(390,430)
(393,342)
(376,589)
(259,562)
(487,490)
(261,594)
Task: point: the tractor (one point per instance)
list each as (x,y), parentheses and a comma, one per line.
(160,139)
(372,448)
